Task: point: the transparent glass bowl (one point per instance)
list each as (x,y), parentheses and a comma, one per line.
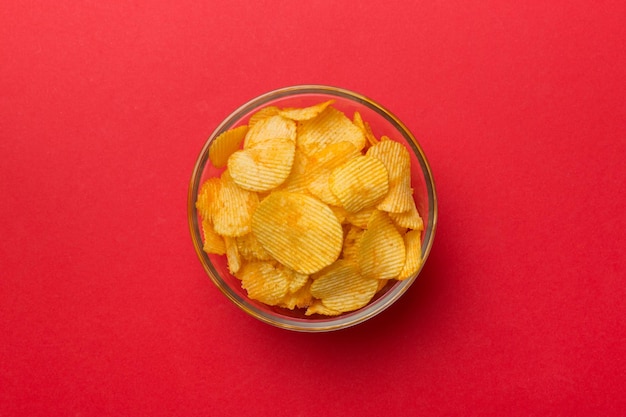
(382,123)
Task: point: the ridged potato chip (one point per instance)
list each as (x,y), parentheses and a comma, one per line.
(232,210)
(351,243)
(329,126)
(361,217)
(225,144)
(208,194)
(410,219)
(264,166)
(341,287)
(381,252)
(232,254)
(317,307)
(213,242)
(264,113)
(365,128)
(305,113)
(272,127)
(264,282)
(397,160)
(413,261)
(323,163)
(250,249)
(299,231)
(360,182)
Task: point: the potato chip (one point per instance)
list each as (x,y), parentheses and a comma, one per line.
(317,307)
(360,182)
(329,126)
(305,113)
(381,252)
(351,243)
(250,249)
(207,196)
(264,166)
(365,128)
(301,298)
(232,254)
(233,208)
(273,127)
(264,113)
(225,144)
(297,180)
(212,242)
(323,163)
(361,217)
(413,262)
(341,287)
(264,282)
(397,160)
(299,231)
(410,219)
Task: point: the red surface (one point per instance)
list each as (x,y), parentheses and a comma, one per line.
(105,309)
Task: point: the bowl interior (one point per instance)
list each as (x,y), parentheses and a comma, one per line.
(382,123)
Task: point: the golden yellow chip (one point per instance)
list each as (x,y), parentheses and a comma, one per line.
(365,128)
(299,231)
(232,254)
(301,298)
(410,219)
(264,282)
(269,128)
(212,242)
(413,244)
(341,287)
(397,160)
(296,181)
(361,217)
(322,164)
(329,126)
(381,252)
(225,144)
(250,249)
(317,307)
(233,208)
(207,196)
(359,183)
(264,166)
(351,243)
(264,113)
(305,113)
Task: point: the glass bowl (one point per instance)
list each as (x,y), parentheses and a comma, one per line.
(382,122)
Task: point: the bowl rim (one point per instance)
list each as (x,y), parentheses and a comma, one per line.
(345,320)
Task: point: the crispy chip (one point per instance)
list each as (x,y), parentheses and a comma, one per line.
(299,231)
(305,113)
(365,128)
(361,217)
(213,243)
(351,243)
(413,262)
(317,307)
(297,180)
(208,194)
(264,113)
(409,219)
(264,282)
(264,166)
(225,144)
(397,160)
(329,126)
(232,254)
(250,249)
(232,210)
(324,162)
(273,127)
(360,182)
(341,287)
(381,252)
(301,298)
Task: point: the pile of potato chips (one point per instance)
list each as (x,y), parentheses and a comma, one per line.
(312,210)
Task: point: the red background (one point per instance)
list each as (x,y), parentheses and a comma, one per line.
(519,106)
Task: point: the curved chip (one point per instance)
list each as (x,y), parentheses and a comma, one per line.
(317,307)
(329,126)
(413,262)
(264,282)
(299,231)
(341,287)
(397,160)
(225,144)
(264,113)
(360,182)
(212,242)
(250,249)
(305,113)
(232,210)
(381,253)
(207,196)
(272,127)
(410,219)
(322,164)
(264,166)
